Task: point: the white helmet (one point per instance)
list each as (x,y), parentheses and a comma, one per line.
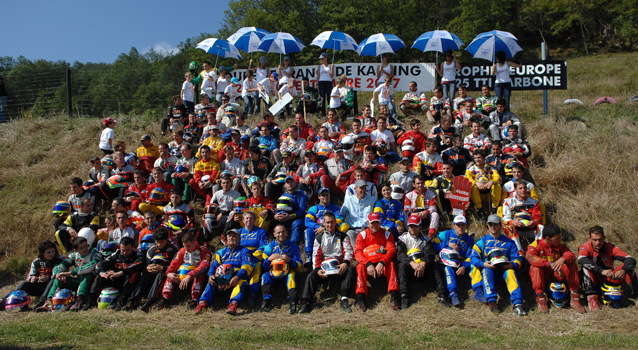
(407,145)
(397,192)
(347,142)
(330,267)
(88,234)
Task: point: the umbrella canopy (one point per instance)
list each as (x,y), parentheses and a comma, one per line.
(334,40)
(247,38)
(487,44)
(280,42)
(437,40)
(219,47)
(378,44)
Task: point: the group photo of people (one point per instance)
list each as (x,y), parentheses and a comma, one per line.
(241,204)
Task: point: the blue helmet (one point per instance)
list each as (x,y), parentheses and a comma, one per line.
(147,242)
(558,294)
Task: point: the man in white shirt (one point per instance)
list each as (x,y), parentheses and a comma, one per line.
(356,208)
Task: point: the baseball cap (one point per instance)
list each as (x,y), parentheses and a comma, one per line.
(323,189)
(214,127)
(290,177)
(360,183)
(286,58)
(109,120)
(146,137)
(323,55)
(232,230)
(460,219)
(234,131)
(234,80)
(414,220)
(372,217)
(493,219)
(338,148)
(262,59)
(404,159)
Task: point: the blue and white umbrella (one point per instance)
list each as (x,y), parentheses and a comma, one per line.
(335,40)
(280,42)
(248,38)
(219,47)
(437,40)
(378,44)
(487,44)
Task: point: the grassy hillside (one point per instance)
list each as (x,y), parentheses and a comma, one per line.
(584,163)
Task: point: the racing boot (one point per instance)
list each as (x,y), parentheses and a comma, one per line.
(518,310)
(594,305)
(266,305)
(345,306)
(541,301)
(203,305)
(361,303)
(494,307)
(232,308)
(576,305)
(305,307)
(45,307)
(455,299)
(78,304)
(394,301)
(479,295)
(293,307)
(405,302)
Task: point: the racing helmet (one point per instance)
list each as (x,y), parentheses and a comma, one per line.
(508,168)
(612,295)
(109,248)
(497,256)
(193,66)
(323,153)
(330,266)
(157,195)
(280,177)
(407,148)
(558,294)
(107,297)
(284,204)
(181,169)
(240,205)
(382,148)
(374,253)
(450,257)
(223,274)
(108,163)
(397,192)
(131,159)
(523,217)
(61,300)
(158,259)
(210,216)
(61,208)
(176,222)
(279,268)
(263,147)
(88,183)
(415,254)
(17,300)
(347,142)
(87,233)
(205,178)
(253,179)
(184,269)
(147,242)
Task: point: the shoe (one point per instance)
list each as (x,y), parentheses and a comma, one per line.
(455,299)
(192,304)
(203,305)
(293,307)
(89,305)
(494,307)
(576,305)
(541,301)
(518,310)
(479,296)
(305,307)
(78,305)
(443,301)
(146,307)
(345,306)
(405,302)
(116,306)
(232,308)
(45,307)
(131,305)
(361,303)
(162,304)
(594,305)
(266,305)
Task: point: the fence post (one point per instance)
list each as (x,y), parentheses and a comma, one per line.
(544,57)
(68,92)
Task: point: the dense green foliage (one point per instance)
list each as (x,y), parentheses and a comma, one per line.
(137,83)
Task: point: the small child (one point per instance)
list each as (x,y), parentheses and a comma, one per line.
(39,274)
(98,172)
(188,93)
(106,139)
(109,226)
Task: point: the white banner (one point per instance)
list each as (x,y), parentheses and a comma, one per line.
(363,76)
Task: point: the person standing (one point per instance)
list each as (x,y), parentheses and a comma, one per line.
(106,139)
(325,73)
(503,82)
(447,71)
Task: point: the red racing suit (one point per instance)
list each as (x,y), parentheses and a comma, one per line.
(541,255)
(384,239)
(200,257)
(595,261)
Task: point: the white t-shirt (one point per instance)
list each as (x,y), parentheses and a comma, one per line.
(386,136)
(385,71)
(222,83)
(449,72)
(231,91)
(189,91)
(283,78)
(503,73)
(335,97)
(248,84)
(324,73)
(261,74)
(107,134)
(386,94)
(285,89)
(270,87)
(207,87)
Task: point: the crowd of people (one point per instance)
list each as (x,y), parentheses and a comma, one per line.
(313,204)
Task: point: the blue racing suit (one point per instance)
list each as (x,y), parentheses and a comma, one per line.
(465,244)
(313,221)
(291,250)
(480,251)
(254,240)
(240,259)
(295,226)
(391,212)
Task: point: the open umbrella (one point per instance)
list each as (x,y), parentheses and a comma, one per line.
(247,38)
(219,47)
(437,40)
(378,44)
(280,42)
(485,45)
(334,40)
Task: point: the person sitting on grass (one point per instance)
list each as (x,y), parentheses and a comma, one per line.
(551,261)
(84,217)
(522,217)
(159,194)
(332,253)
(458,156)
(233,260)
(187,268)
(79,279)
(205,174)
(404,176)
(414,101)
(39,275)
(477,140)
(486,184)
(281,261)
(422,201)
(147,153)
(496,256)
(516,146)
(439,105)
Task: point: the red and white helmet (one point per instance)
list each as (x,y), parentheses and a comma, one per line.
(450,257)
(407,148)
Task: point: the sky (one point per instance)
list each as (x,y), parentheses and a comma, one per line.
(99,31)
